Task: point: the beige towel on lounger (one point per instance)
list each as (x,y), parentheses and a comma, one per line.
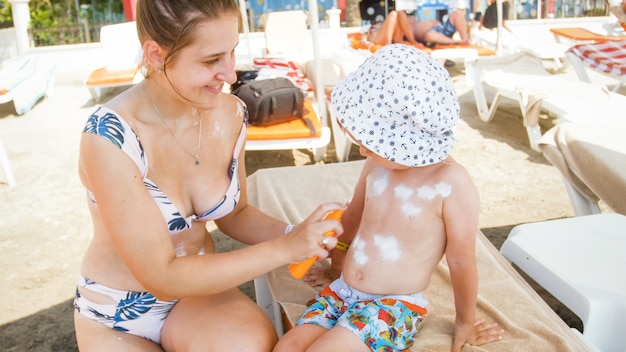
(291,193)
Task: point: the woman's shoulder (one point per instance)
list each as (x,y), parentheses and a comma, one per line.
(232,109)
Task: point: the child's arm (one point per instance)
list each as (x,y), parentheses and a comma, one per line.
(460,214)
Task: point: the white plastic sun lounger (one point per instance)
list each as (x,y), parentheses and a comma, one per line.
(522,77)
(122,57)
(607,58)
(581,262)
(591,157)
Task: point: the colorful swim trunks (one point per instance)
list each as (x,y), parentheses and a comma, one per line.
(383,323)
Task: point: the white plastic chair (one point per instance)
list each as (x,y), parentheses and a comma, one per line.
(581,262)
(286,36)
(122,57)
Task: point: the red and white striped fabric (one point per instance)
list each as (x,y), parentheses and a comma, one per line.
(279,67)
(608,57)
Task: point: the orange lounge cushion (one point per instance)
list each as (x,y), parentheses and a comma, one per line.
(357,42)
(291,129)
(104,76)
(578,33)
(482,51)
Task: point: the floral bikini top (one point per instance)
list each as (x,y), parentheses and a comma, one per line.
(106,123)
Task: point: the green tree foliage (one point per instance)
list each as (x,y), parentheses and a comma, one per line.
(60,15)
(6,17)
(55,22)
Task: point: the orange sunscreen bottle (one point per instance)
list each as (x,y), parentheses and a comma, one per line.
(298,270)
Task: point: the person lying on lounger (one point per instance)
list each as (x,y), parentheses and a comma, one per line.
(399,27)
(396,28)
(435,32)
(618,8)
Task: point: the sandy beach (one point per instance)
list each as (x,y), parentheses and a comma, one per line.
(45,225)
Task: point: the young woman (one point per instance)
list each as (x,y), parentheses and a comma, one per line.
(158,162)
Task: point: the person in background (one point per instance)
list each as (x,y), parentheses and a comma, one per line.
(476,15)
(158,162)
(618,9)
(434,32)
(413,204)
(396,28)
(490,19)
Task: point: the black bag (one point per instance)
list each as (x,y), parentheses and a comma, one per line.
(244,77)
(271,101)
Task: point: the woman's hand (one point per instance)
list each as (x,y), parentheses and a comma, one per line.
(307,238)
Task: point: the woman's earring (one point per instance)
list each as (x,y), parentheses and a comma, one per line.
(159,70)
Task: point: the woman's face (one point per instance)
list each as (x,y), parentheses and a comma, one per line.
(199,70)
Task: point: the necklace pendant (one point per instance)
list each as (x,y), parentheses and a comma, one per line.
(197,162)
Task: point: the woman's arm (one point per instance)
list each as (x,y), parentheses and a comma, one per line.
(139,234)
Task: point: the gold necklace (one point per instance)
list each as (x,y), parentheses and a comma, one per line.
(193,112)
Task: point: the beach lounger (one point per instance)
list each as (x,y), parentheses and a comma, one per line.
(286,36)
(294,134)
(25,80)
(291,193)
(122,57)
(538,36)
(357,43)
(607,58)
(581,262)
(583,34)
(592,159)
(522,77)
(538,42)
(6,166)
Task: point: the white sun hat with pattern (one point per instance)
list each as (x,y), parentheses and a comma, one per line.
(400,104)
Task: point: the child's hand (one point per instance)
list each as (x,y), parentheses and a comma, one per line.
(480,334)
(318,276)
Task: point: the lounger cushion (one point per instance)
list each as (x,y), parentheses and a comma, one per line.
(291,129)
(109,77)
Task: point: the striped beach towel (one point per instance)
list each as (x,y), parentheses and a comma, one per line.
(608,57)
